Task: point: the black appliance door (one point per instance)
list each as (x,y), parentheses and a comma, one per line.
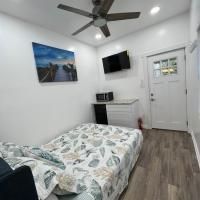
(101,114)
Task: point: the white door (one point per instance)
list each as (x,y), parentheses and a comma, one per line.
(168,90)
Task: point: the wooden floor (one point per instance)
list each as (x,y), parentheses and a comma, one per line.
(167,169)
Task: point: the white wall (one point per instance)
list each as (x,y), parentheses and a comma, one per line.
(130,83)
(30,112)
(195,80)
(33,113)
(195,19)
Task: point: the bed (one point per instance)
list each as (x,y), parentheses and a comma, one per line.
(89,162)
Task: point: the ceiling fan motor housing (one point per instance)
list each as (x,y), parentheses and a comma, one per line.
(97,2)
(97,6)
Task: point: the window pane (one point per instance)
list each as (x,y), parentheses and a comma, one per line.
(164,63)
(156,69)
(165,70)
(173,66)
(157,65)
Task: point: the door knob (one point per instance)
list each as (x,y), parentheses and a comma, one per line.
(152,99)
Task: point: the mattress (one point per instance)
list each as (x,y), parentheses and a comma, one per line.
(101,158)
(90,162)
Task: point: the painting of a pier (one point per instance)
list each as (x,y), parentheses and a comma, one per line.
(53,64)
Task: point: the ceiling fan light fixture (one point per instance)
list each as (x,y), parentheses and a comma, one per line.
(98,36)
(155,10)
(99,22)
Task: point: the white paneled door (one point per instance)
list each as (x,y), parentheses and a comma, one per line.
(168,90)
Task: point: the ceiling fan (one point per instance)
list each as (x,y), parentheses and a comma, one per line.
(100,15)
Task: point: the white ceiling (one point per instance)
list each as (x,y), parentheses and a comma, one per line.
(46,14)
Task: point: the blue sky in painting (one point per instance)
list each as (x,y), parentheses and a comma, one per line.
(45,54)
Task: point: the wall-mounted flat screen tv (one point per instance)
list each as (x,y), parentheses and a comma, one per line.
(116,62)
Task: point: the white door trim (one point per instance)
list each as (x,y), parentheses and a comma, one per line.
(185,46)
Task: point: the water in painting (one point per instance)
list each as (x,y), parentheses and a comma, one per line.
(53,64)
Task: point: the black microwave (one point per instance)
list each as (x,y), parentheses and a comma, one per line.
(106,96)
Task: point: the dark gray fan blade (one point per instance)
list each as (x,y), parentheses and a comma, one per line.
(107,4)
(105,30)
(83,28)
(75,10)
(122,16)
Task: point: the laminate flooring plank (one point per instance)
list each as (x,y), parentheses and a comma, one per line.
(167,168)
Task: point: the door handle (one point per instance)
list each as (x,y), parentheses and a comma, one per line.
(152,99)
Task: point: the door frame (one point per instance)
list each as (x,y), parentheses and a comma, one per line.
(186,47)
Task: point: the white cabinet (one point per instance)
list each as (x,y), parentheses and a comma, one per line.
(123,114)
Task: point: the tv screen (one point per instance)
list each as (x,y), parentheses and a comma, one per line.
(116,62)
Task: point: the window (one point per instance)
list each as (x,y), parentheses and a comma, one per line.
(165,67)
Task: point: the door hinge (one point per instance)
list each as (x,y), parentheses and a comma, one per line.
(187,123)
(186,91)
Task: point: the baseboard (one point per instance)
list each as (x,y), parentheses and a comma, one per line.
(195,147)
(145,126)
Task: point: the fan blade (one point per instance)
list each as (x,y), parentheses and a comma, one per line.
(83,28)
(105,30)
(75,10)
(107,4)
(122,16)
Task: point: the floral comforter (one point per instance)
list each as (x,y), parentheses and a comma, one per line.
(91,158)
(102,158)
(45,171)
